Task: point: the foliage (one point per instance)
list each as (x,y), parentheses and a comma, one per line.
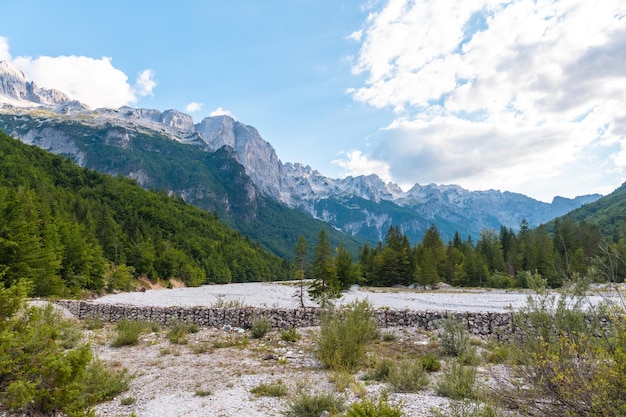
(407,376)
(127,332)
(430,363)
(68,229)
(344,334)
(270,389)
(43,367)
(453,337)
(325,285)
(306,404)
(290,335)
(260,327)
(369,408)
(178,330)
(458,382)
(572,362)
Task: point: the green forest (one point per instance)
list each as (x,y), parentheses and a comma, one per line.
(67,229)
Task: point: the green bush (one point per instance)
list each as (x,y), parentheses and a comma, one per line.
(177,331)
(270,389)
(369,408)
(44,368)
(453,337)
(260,327)
(430,363)
(290,335)
(458,382)
(570,363)
(305,404)
(128,332)
(407,376)
(344,334)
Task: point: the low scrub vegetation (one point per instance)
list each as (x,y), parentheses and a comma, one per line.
(45,366)
(344,334)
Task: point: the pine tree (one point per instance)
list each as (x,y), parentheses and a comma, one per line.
(325,285)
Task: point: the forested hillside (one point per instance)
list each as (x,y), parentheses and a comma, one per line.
(67,229)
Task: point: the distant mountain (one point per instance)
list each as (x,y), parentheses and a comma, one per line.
(167,150)
(608,213)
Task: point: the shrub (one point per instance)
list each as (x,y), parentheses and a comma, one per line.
(128,332)
(568,367)
(382,370)
(313,405)
(458,382)
(271,389)
(260,327)
(178,331)
(453,337)
(344,334)
(430,363)
(369,408)
(290,335)
(128,401)
(407,376)
(44,369)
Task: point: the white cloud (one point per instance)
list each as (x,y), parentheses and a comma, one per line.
(355,163)
(356,36)
(4,49)
(193,107)
(145,83)
(221,112)
(95,82)
(496,94)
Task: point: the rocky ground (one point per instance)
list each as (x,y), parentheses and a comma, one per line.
(213,373)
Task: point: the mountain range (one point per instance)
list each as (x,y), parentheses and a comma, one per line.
(225,166)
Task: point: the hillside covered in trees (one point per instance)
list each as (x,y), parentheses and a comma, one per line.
(66,229)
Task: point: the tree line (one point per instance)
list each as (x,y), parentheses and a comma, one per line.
(499,259)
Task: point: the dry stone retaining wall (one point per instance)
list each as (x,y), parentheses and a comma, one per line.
(478,323)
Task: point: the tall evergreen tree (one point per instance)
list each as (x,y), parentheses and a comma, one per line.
(325,285)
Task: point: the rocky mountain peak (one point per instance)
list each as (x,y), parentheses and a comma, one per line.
(15,89)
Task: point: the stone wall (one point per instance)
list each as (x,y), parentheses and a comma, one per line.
(478,323)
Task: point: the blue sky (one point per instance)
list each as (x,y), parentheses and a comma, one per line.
(524,96)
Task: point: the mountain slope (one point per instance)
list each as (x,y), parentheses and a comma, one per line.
(66,228)
(213,181)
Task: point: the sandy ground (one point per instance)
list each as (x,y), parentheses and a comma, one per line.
(284,295)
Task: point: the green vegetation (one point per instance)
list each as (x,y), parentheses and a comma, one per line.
(270,389)
(127,332)
(177,331)
(44,366)
(306,404)
(292,335)
(369,408)
(260,327)
(344,334)
(67,229)
(458,382)
(571,361)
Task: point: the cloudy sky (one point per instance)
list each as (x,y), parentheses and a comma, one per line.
(526,96)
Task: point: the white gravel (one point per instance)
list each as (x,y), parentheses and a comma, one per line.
(284,295)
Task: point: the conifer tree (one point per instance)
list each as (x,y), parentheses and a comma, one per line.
(325,285)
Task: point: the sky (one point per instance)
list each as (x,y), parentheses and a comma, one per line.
(527,96)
